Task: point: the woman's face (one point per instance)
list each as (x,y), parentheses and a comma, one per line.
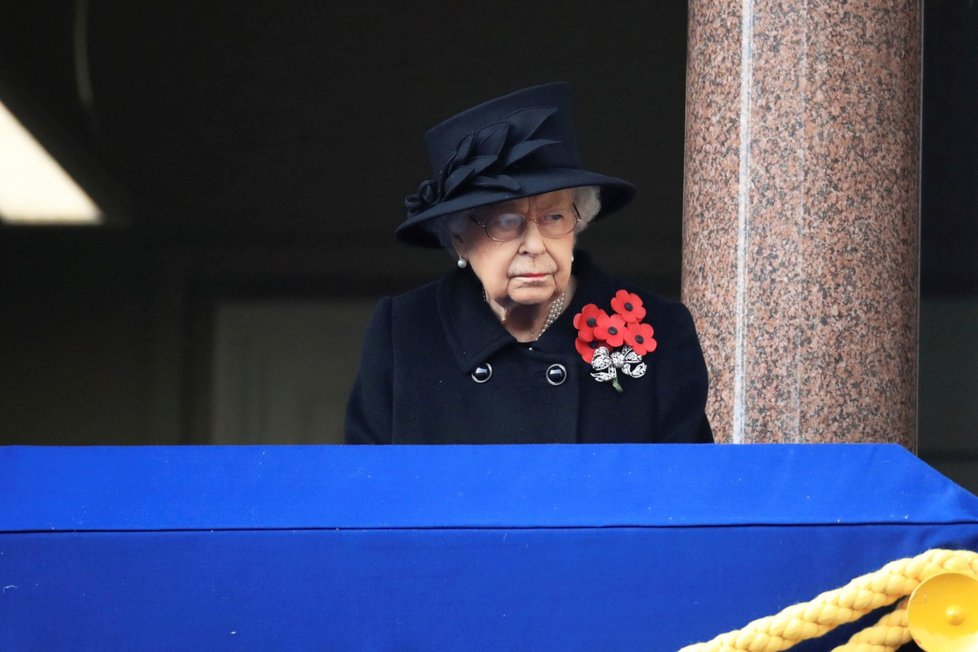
(529,269)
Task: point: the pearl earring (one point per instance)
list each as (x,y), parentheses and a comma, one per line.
(462,263)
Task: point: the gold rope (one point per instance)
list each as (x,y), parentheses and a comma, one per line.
(862,595)
(889,634)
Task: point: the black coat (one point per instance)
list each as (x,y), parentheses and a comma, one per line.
(416,386)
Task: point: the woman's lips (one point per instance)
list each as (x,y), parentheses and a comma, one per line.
(533,278)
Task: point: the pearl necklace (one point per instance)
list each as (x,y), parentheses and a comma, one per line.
(556,308)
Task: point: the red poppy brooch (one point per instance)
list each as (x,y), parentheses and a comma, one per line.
(614,344)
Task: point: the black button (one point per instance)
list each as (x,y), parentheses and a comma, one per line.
(482,373)
(556,374)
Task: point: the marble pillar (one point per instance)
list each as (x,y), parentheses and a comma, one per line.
(800,243)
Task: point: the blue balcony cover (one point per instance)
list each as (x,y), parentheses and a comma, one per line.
(548,547)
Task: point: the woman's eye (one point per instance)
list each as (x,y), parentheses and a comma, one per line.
(554,218)
(508,222)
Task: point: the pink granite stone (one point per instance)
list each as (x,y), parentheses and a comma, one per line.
(801,216)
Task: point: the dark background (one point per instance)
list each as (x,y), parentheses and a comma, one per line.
(248,150)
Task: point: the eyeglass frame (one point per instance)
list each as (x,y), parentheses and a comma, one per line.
(526,220)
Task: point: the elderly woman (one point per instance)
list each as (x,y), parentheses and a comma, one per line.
(527,341)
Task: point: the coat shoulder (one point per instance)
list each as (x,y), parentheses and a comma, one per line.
(658,307)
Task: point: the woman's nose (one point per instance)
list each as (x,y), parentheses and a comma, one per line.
(532,242)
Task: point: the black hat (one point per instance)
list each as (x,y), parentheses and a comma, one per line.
(515,146)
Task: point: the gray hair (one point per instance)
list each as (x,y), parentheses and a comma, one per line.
(587,199)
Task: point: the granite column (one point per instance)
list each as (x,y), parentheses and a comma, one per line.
(801,212)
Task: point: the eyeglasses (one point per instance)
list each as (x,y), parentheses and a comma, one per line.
(509,226)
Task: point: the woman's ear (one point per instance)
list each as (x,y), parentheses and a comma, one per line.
(459,244)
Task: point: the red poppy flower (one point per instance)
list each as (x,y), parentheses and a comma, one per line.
(629,306)
(586,321)
(611,329)
(587,349)
(639,337)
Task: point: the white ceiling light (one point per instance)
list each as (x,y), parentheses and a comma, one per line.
(34,189)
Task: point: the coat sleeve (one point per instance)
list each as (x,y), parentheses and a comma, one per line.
(682,385)
(369,411)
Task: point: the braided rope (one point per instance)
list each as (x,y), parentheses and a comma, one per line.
(889,634)
(862,595)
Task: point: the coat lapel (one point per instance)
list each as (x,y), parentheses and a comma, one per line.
(473,333)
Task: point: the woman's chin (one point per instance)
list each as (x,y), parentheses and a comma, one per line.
(535,295)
